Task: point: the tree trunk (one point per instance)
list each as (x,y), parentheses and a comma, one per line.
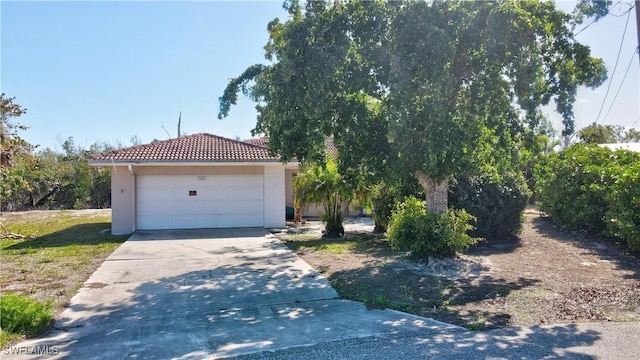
(297,214)
(435,193)
(43,199)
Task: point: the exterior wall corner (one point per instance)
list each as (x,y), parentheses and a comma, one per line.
(274,196)
(122,201)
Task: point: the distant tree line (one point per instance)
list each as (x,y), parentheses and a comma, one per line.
(47,179)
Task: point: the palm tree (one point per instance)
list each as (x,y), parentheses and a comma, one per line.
(323,185)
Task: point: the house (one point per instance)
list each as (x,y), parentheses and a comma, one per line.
(197,181)
(622,146)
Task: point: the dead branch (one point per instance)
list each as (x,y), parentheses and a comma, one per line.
(5,234)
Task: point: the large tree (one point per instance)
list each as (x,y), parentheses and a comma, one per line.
(430,89)
(12,149)
(603,134)
(11,143)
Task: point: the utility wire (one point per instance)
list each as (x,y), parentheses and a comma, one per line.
(584,28)
(614,68)
(633,55)
(621,15)
(609,13)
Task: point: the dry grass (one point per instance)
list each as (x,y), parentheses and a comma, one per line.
(544,276)
(65,248)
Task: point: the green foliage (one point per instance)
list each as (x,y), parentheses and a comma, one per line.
(21,315)
(53,180)
(11,144)
(607,134)
(427,234)
(46,179)
(592,188)
(433,87)
(497,201)
(596,9)
(230,96)
(383,199)
(13,149)
(623,216)
(572,184)
(323,184)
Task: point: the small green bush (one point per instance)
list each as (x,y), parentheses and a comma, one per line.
(383,199)
(426,234)
(22,315)
(497,201)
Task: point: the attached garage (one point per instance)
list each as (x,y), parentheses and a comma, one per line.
(199,201)
(196,181)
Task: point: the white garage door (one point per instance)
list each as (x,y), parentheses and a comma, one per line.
(190,202)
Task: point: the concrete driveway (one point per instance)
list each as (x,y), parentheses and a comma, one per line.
(194,294)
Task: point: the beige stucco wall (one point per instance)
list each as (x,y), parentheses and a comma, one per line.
(123,185)
(316,210)
(274,196)
(122,201)
(288,183)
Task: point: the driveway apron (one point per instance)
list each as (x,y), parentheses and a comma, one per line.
(192,294)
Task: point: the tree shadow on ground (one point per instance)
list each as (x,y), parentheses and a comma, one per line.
(82,234)
(548,342)
(392,286)
(494,246)
(607,249)
(256,302)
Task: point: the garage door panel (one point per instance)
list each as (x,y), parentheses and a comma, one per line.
(163,201)
(254,194)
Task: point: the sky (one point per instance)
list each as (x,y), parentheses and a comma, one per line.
(109,71)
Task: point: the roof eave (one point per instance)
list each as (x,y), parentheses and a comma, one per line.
(109,163)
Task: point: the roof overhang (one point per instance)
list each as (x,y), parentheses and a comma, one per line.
(102,163)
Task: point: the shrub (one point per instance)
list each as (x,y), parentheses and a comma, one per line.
(383,199)
(592,188)
(572,185)
(427,234)
(623,216)
(496,201)
(22,315)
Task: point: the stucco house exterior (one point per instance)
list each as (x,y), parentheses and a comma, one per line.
(622,146)
(197,181)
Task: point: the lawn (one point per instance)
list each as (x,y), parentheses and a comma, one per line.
(545,276)
(62,249)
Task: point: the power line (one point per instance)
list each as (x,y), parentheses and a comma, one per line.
(620,87)
(621,15)
(614,68)
(610,14)
(584,28)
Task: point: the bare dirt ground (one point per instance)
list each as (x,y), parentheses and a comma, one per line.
(41,215)
(545,276)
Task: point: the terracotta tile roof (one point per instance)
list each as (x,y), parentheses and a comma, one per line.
(264,141)
(192,148)
(261,141)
